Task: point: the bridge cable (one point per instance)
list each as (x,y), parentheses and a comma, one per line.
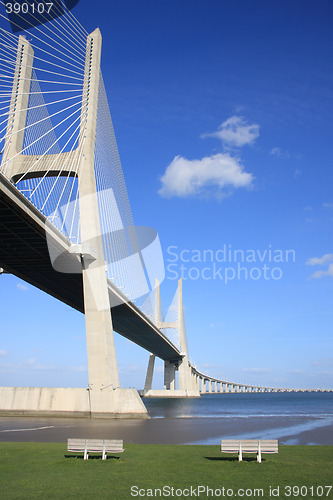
(45,34)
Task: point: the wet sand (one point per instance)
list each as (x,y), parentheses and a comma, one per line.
(288,430)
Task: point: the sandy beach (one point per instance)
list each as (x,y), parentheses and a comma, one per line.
(288,430)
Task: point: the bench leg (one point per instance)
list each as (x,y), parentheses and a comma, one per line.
(240,456)
(259,454)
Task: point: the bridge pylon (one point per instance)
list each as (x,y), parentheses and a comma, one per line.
(104,397)
(187,385)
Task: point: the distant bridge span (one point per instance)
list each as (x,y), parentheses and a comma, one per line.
(217,386)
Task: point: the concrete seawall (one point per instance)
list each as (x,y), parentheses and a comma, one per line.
(71,402)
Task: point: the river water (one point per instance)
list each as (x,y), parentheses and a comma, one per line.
(292,418)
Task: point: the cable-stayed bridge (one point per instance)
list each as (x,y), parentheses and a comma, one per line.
(67,225)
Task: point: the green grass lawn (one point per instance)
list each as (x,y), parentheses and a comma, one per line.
(47,471)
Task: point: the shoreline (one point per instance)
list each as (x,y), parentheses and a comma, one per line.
(295,430)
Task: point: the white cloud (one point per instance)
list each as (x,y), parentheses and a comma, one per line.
(213,325)
(322,274)
(3,353)
(278,152)
(323,362)
(297,173)
(319,261)
(236,131)
(131,368)
(31,365)
(22,286)
(80,369)
(324,373)
(328,205)
(45,367)
(185,178)
(256,370)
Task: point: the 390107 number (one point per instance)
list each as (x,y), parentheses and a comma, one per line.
(305,491)
(31,8)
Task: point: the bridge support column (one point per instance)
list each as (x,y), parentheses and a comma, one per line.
(169,376)
(194,381)
(203,386)
(184,367)
(150,373)
(184,375)
(102,362)
(18,106)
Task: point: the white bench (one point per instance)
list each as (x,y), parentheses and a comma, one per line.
(257,446)
(87,446)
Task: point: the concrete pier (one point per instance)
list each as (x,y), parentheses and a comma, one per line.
(71,402)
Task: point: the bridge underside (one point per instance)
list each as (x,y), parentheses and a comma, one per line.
(24,252)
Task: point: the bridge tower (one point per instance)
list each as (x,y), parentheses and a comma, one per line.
(187,380)
(104,396)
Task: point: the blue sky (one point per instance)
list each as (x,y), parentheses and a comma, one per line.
(222,112)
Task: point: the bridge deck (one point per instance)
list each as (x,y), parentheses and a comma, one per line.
(24,253)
